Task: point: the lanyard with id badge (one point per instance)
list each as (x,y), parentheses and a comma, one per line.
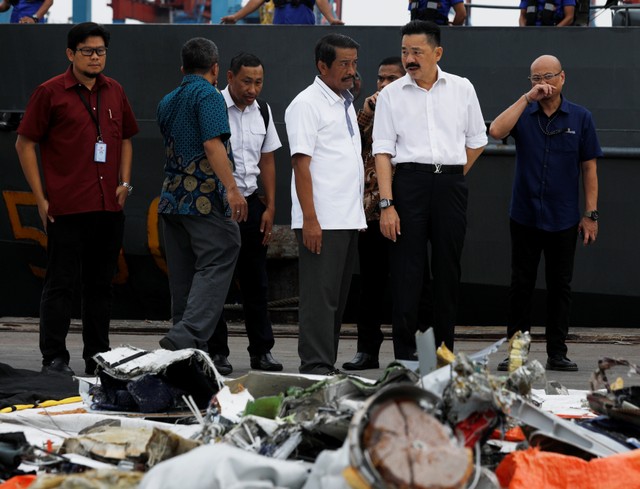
(100,150)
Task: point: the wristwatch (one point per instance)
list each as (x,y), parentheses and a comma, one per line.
(35,18)
(593,215)
(384,203)
(128,186)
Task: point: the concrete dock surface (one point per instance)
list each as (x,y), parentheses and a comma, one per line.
(19,346)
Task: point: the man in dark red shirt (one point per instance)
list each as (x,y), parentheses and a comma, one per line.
(82,122)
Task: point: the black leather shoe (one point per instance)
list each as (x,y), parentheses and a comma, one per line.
(503,366)
(266,362)
(57,366)
(334,372)
(222,364)
(361,361)
(562,364)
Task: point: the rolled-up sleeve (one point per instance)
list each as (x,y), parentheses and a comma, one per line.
(384,131)
(476,131)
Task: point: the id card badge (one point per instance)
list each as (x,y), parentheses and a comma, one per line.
(100,153)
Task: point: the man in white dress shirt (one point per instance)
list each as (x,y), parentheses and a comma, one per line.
(429,126)
(326,194)
(253,142)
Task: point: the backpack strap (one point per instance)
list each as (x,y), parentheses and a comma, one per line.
(264,112)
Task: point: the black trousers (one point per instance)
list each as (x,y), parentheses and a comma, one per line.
(373,250)
(251,274)
(433,210)
(85,245)
(527,246)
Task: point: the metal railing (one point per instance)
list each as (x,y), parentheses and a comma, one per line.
(627,13)
(591,8)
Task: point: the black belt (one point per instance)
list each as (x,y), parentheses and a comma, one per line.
(431,168)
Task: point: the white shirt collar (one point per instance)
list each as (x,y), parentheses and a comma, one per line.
(230,103)
(406,80)
(328,92)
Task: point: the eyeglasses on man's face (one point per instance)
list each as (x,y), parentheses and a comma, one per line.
(545,77)
(101,51)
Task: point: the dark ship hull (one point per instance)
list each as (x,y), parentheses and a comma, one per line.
(603,73)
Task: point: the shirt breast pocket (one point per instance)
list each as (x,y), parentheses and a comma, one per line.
(257,128)
(114,123)
(567,142)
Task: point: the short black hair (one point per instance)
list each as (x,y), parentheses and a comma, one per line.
(244,59)
(81,32)
(429,29)
(392,60)
(326,47)
(199,55)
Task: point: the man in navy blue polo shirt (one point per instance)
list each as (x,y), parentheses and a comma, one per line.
(438,11)
(556,143)
(556,13)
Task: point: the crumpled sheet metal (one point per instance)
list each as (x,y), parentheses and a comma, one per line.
(599,377)
(251,432)
(330,394)
(436,381)
(622,404)
(312,417)
(475,402)
(552,427)
(284,438)
(473,390)
(521,379)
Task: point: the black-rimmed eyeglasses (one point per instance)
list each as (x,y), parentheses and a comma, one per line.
(89,51)
(545,77)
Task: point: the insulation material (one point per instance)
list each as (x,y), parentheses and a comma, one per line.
(143,447)
(93,479)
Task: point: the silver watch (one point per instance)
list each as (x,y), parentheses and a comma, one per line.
(128,186)
(384,203)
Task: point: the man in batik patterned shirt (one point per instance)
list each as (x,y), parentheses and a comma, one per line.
(200,204)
